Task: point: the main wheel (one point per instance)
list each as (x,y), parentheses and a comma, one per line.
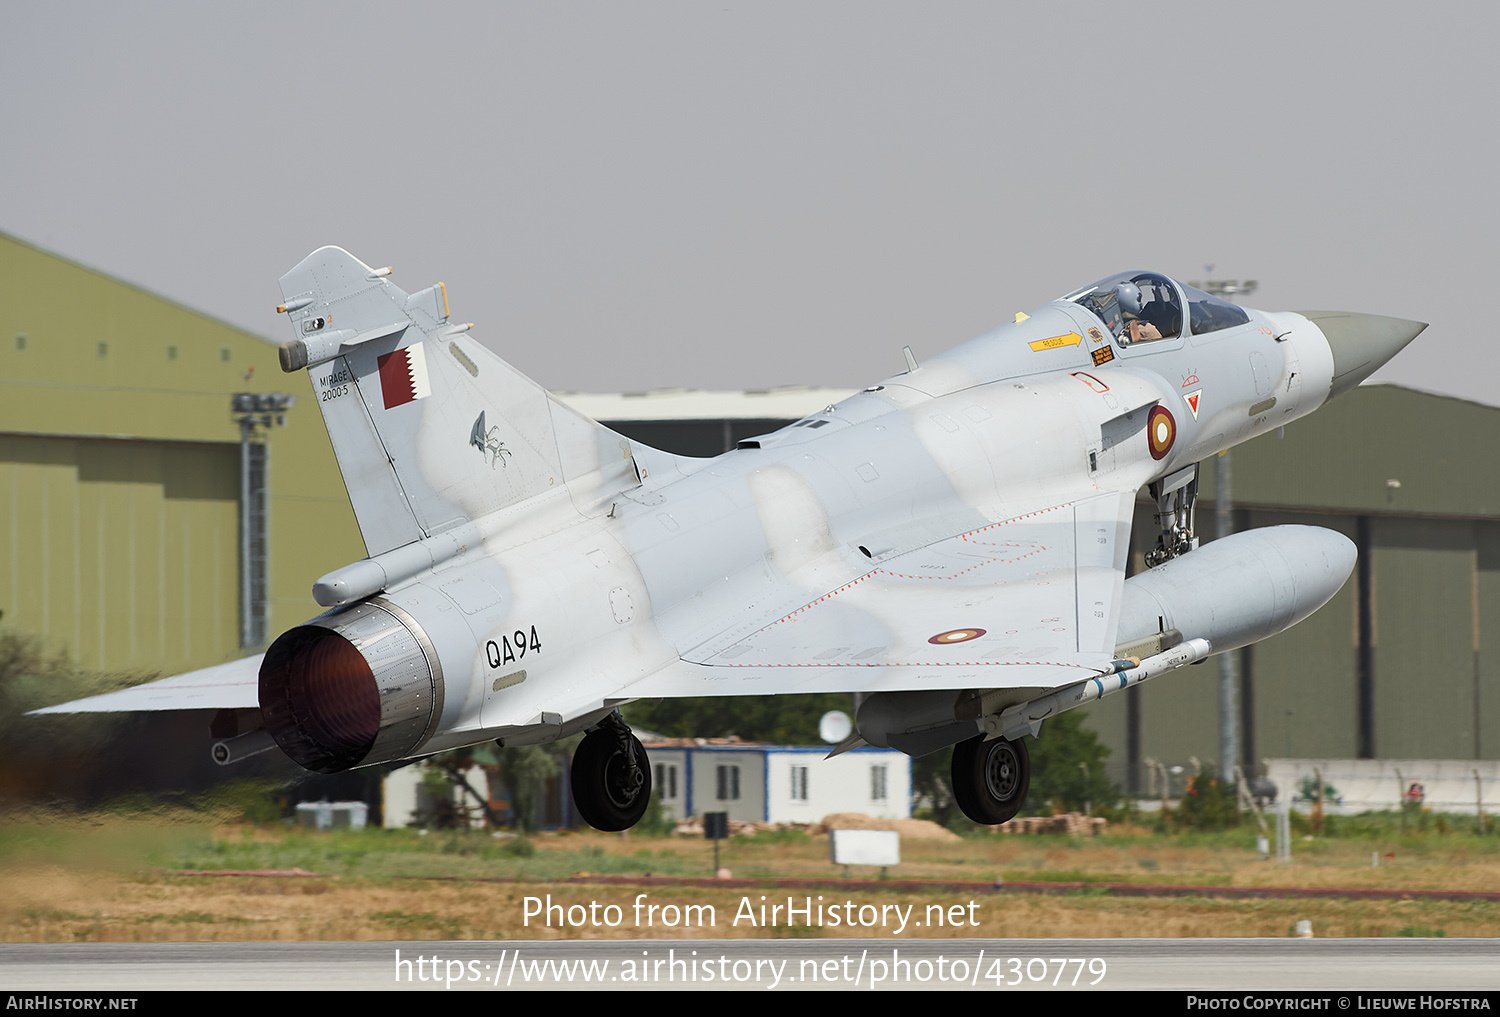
(607,796)
(990,779)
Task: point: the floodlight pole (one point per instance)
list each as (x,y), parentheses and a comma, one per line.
(1224,520)
(248,522)
(256,412)
(1228,662)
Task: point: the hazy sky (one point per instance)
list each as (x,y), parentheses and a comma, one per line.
(632,195)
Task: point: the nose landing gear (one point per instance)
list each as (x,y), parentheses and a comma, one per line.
(611,778)
(990,779)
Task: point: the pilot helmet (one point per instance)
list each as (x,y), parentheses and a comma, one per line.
(1129,296)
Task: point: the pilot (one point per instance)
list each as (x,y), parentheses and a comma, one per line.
(1146,320)
(1138,328)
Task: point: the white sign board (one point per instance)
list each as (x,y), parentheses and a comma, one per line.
(329,815)
(865,847)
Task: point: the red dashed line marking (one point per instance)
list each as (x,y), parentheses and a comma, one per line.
(968,537)
(1036,549)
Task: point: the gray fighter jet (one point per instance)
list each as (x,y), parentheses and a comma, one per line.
(948,545)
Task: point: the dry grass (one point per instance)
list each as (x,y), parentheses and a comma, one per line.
(55,905)
(101,881)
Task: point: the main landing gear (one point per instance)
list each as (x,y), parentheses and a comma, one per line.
(1176,498)
(990,779)
(611,778)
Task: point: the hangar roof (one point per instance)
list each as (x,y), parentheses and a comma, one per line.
(85,354)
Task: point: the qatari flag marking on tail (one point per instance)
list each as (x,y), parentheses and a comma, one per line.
(403,376)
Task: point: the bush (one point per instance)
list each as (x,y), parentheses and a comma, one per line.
(249,799)
(1067,769)
(656,822)
(53,757)
(1307,790)
(1209,803)
(519,847)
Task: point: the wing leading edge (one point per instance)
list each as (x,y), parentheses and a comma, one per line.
(231,686)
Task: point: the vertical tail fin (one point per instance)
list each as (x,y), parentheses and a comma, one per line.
(430,428)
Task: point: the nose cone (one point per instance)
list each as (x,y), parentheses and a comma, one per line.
(1361,343)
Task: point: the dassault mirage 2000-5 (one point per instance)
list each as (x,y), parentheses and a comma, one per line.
(948,545)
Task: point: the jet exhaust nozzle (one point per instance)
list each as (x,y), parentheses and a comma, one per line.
(353,688)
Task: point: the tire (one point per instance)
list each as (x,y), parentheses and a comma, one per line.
(599,787)
(991,779)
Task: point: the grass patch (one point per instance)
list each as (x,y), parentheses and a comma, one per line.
(189,918)
(421,924)
(1421,932)
(36,916)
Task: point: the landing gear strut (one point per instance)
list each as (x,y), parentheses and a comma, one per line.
(611,779)
(991,778)
(1176,499)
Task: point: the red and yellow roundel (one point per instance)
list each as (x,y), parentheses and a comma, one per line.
(1161,432)
(956,636)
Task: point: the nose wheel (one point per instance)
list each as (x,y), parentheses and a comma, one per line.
(990,779)
(611,779)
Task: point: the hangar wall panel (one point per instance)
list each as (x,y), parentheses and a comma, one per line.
(1180,716)
(122,553)
(1486,646)
(1424,662)
(1342,457)
(1303,681)
(705,440)
(1109,719)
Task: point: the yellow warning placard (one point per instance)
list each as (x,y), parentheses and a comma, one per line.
(1071,339)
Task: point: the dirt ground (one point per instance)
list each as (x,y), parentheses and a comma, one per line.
(53,905)
(107,881)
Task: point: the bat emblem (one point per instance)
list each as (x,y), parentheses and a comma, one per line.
(488,442)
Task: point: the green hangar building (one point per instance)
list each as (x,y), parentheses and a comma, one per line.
(162,510)
(121,465)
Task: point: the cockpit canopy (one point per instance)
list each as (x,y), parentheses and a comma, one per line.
(1138,307)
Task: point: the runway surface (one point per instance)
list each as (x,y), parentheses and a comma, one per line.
(1053,965)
